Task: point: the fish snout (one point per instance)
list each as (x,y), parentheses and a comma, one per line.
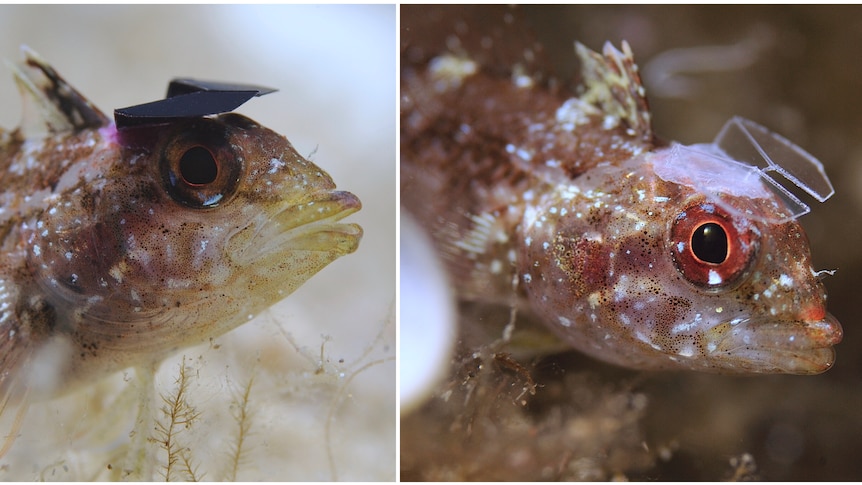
(769,346)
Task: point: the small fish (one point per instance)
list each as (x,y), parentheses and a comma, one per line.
(641,253)
(122,243)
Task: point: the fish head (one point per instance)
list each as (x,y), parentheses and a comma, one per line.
(653,264)
(174,233)
(756,304)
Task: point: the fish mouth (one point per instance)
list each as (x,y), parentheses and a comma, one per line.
(769,346)
(308,226)
(314,226)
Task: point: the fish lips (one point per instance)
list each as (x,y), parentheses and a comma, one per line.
(769,346)
(311,225)
(314,226)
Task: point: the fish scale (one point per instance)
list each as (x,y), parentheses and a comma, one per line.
(639,252)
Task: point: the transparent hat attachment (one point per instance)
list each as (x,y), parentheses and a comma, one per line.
(744,150)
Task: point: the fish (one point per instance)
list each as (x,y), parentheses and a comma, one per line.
(565,205)
(125,241)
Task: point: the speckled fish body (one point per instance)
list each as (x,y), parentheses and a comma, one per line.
(570,207)
(118,248)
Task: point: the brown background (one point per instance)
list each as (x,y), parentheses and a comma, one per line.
(805,83)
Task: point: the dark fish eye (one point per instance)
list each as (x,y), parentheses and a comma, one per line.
(708,249)
(709,243)
(199,168)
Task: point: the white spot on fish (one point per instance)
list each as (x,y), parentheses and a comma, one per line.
(714,277)
(683,327)
(686,352)
(275,165)
(594,299)
(449,71)
(524,155)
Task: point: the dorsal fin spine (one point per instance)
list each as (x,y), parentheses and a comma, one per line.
(51,105)
(613,84)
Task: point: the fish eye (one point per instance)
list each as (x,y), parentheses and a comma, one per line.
(199,168)
(708,249)
(709,243)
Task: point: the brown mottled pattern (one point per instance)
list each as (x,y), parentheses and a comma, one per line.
(458,162)
(549,202)
(109,258)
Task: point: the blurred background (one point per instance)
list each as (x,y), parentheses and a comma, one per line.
(323,399)
(794,69)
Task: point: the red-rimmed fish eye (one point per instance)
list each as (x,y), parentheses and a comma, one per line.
(708,248)
(199,168)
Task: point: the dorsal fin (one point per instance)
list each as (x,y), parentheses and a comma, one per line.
(51,105)
(614,85)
